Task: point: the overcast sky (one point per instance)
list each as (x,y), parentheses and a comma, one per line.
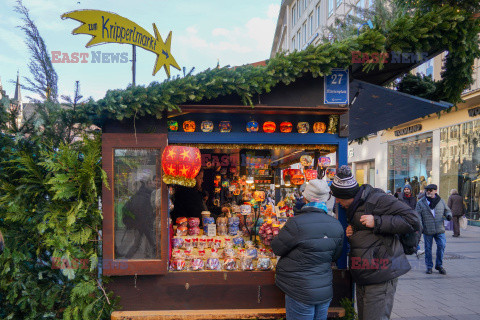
(232,32)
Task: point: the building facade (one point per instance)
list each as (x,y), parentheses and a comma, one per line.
(442,150)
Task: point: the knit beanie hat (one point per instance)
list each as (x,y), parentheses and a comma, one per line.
(344,185)
(407,186)
(316,191)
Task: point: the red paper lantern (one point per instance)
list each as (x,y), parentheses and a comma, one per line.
(310,174)
(189,126)
(319,127)
(181,165)
(286,127)
(297,176)
(269,127)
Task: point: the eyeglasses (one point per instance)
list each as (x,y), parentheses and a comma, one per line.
(429,190)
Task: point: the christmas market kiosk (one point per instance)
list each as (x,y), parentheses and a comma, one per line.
(197,193)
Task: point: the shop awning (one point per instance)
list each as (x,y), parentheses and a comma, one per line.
(374,108)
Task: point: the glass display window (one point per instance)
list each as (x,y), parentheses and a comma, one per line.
(460,164)
(410,161)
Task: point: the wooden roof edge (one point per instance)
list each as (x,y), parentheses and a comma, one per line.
(265,109)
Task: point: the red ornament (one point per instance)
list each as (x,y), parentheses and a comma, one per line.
(310,174)
(181,165)
(189,126)
(286,127)
(269,127)
(319,127)
(297,176)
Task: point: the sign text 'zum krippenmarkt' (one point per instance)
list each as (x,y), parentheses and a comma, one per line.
(107,27)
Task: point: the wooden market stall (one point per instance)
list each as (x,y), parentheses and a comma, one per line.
(143,281)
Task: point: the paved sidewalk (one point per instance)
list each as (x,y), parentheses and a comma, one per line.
(453,296)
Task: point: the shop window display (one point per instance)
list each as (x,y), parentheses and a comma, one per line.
(410,161)
(460,164)
(242,209)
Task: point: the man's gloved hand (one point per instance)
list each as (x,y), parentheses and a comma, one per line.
(449,218)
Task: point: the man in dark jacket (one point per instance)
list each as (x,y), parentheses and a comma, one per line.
(407,196)
(307,245)
(376,254)
(433,210)
(455,203)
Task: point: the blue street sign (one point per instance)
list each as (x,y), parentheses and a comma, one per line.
(336,87)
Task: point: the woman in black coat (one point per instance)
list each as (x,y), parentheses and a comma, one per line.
(455,203)
(307,245)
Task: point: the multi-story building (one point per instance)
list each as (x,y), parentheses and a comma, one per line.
(16,104)
(444,151)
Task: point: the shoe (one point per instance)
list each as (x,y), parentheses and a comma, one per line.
(420,252)
(429,271)
(441,270)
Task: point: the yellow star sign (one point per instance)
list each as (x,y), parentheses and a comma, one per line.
(108,27)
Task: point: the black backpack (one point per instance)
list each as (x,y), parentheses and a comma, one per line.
(410,240)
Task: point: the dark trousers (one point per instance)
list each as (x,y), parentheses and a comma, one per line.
(456,225)
(375,301)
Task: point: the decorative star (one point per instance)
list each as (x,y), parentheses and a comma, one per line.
(171,153)
(184,170)
(185,154)
(171,169)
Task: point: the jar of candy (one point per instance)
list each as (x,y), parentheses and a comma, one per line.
(202,243)
(193,231)
(221,221)
(181,222)
(264,264)
(238,242)
(233,230)
(208,220)
(234,221)
(177,242)
(213,263)
(193,222)
(177,264)
(197,264)
(246,263)
(217,243)
(222,230)
(229,264)
(188,244)
(182,231)
(195,242)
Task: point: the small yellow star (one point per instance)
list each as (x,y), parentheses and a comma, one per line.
(185,154)
(171,153)
(184,170)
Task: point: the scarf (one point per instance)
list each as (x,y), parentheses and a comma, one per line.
(432,203)
(318,205)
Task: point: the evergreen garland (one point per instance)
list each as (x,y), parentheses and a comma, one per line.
(442,28)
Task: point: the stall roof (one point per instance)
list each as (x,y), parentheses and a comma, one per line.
(377,108)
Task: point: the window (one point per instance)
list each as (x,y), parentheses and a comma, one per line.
(404,162)
(293,43)
(135,213)
(339,2)
(317,13)
(426,68)
(299,39)
(304,30)
(294,15)
(330,7)
(404,150)
(310,24)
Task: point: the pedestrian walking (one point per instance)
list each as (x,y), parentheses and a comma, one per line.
(307,245)
(455,203)
(433,211)
(376,254)
(407,196)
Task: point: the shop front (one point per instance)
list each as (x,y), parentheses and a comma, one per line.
(173,246)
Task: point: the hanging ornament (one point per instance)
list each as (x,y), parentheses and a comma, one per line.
(225,126)
(259,196)
(252,126)
(172,125)
(189,126)
(269,127)
(319,127)
(324,162)
(306,160)
(303,127)
(181,165)
(310,174)
(286,127)
(297,177)
(207,126)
